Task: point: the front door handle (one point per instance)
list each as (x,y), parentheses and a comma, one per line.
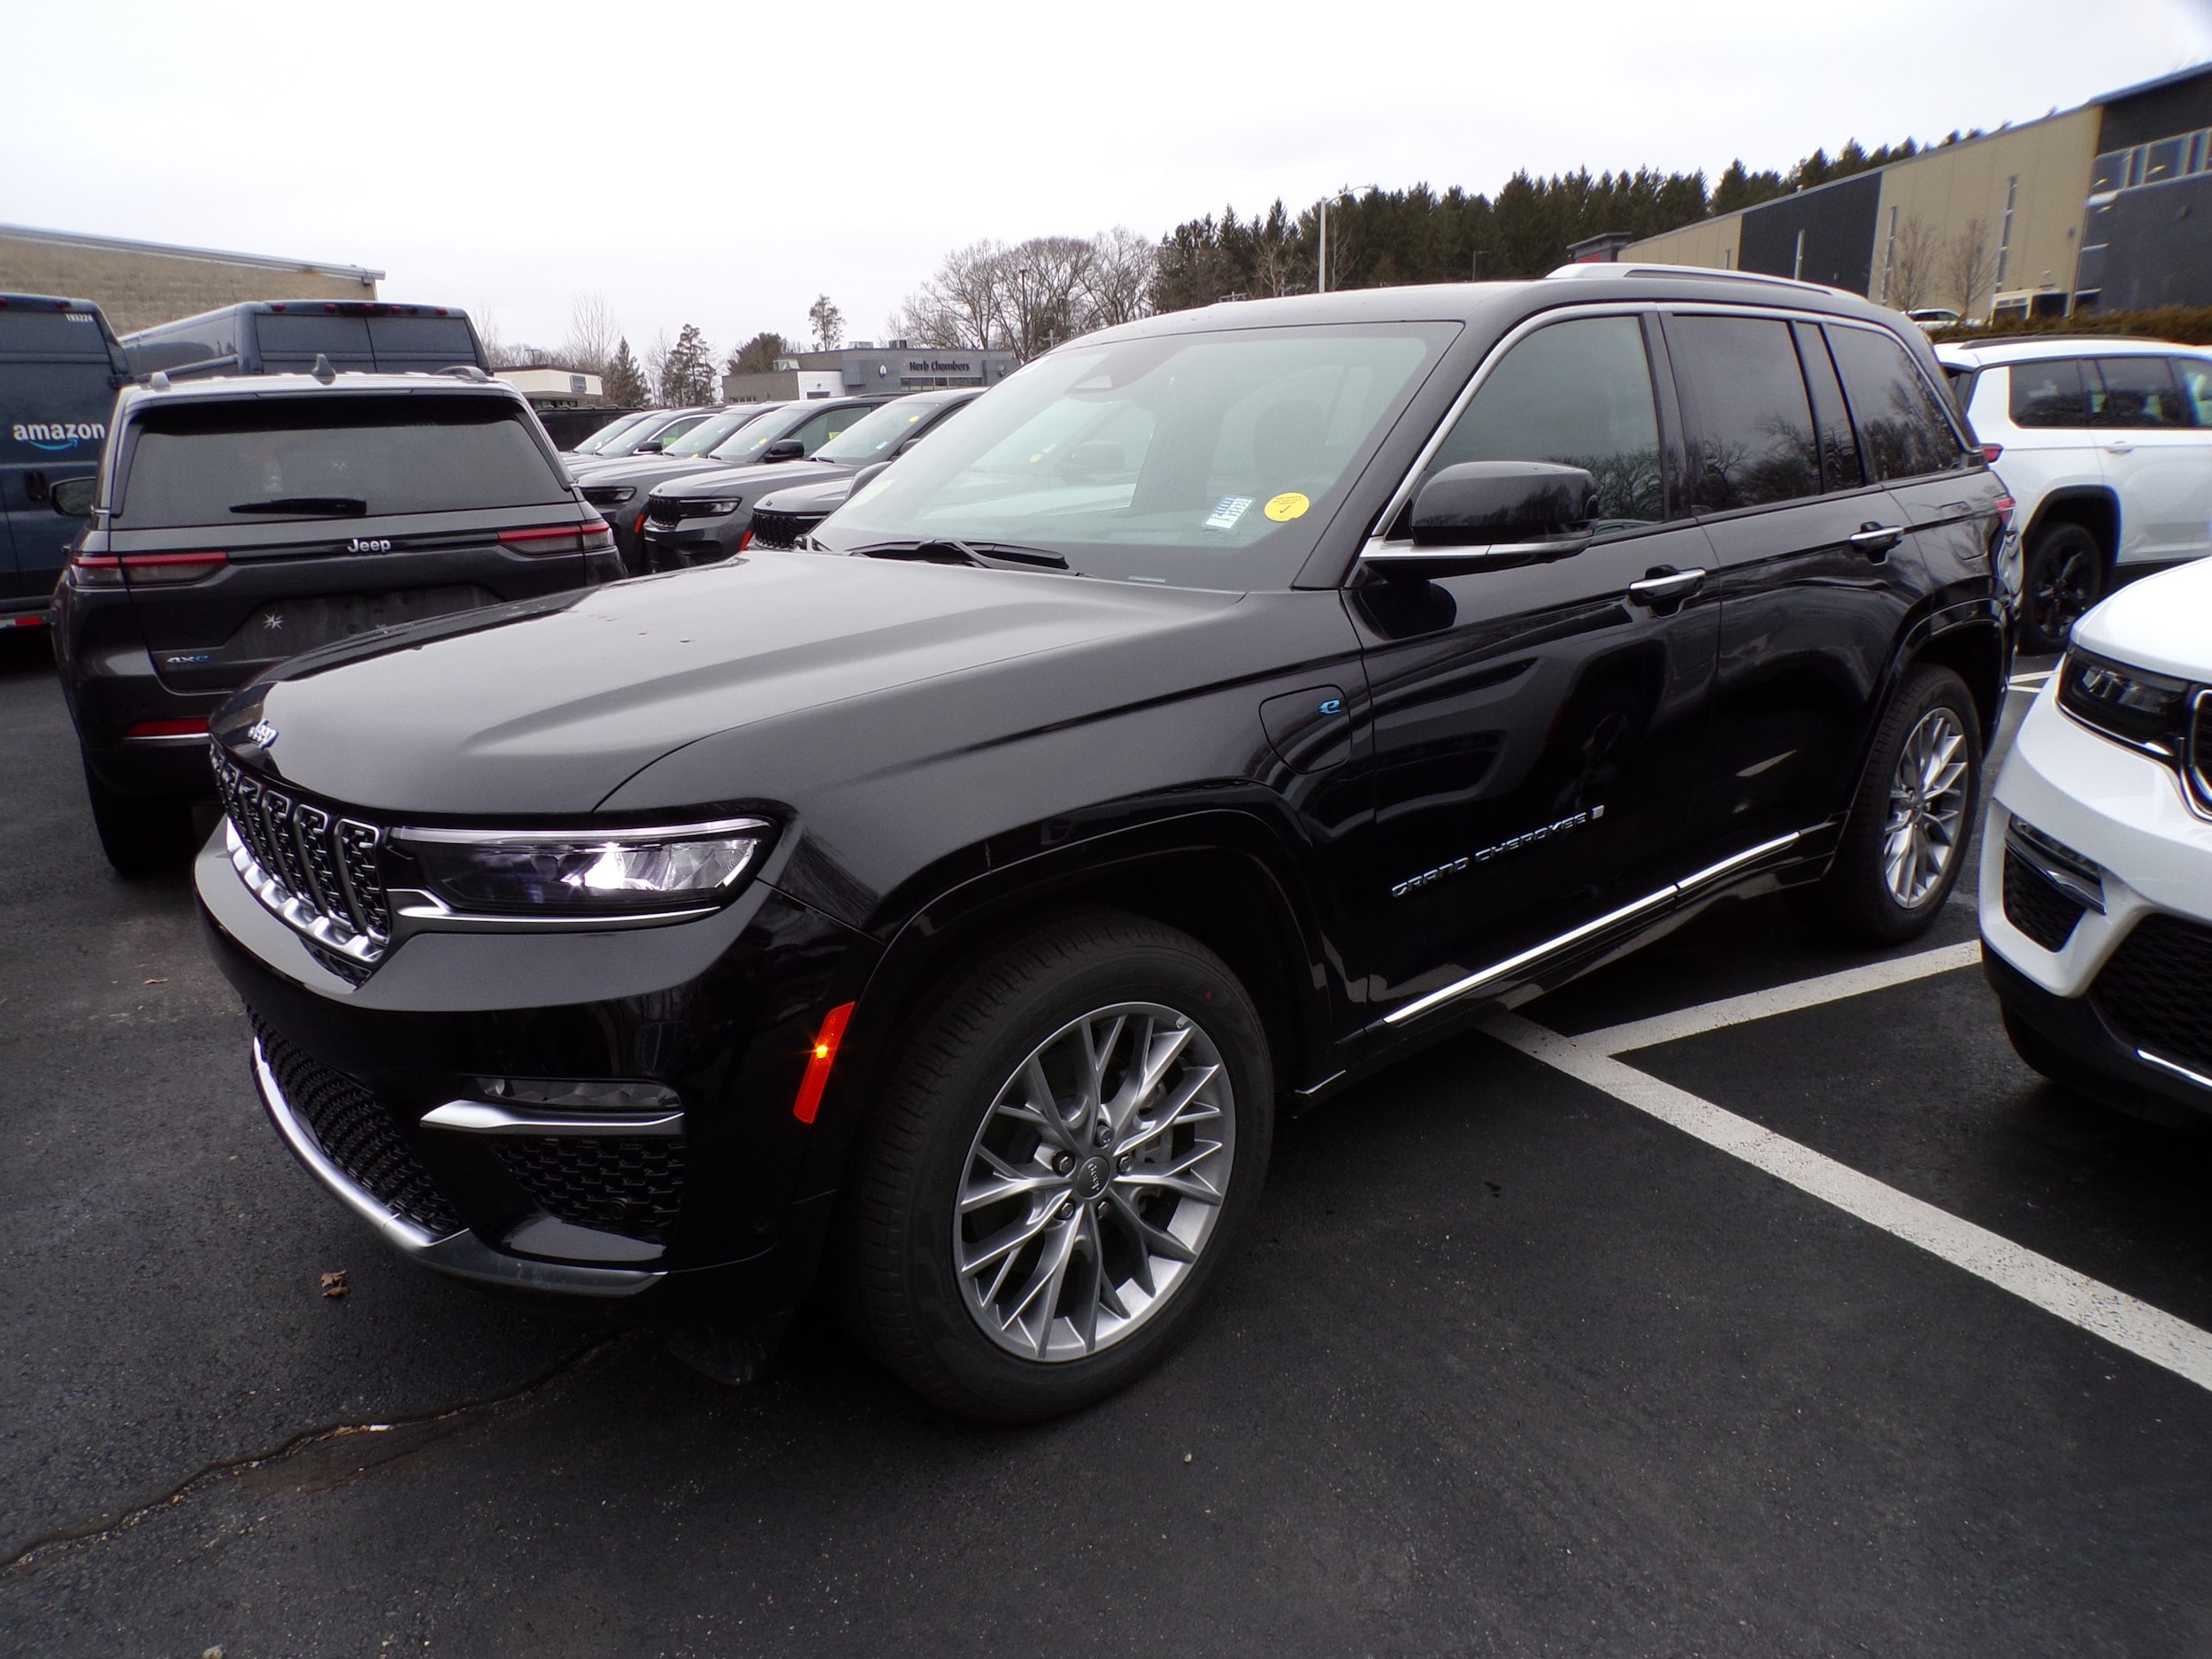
(1665,587)
(2119,446)
(1875,538)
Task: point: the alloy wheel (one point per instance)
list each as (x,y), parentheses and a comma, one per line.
(1095,1181)
(2062,593)
(1927,807)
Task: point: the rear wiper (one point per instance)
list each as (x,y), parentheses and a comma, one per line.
(337,506)
(951,550)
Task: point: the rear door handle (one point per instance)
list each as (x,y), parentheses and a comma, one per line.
(1875,538)
(2119,446)
(1664,589)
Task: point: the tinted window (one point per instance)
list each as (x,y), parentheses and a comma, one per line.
(52,335)
(1578,394)
(325,458)
(2196,375)
(1831,419)
(1903,432)
(296,341)
(2049,394)
(1750,423)
(1211,457)
(446,339)
(2140,392)
(53,412)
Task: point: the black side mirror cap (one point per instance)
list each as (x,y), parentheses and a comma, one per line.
(651,446)
(866,476)
(1496,503)
(784,449)
(73,497)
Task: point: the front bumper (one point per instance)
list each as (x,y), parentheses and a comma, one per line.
(695,541)
(380,1089)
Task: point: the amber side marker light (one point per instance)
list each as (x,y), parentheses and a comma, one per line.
(819,1062)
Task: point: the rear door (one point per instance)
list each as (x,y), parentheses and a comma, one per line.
(57,387)
(1539,732)
(2158,458)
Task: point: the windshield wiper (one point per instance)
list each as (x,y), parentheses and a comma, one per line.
(337,506)
(952,550)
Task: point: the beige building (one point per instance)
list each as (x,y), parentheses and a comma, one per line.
(139,284)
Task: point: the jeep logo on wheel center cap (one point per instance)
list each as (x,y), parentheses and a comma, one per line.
(1090,1177)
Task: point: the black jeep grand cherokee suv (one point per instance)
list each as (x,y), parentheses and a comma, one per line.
(1225,705)
(237,522)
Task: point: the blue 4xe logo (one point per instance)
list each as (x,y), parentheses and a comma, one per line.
(58,435)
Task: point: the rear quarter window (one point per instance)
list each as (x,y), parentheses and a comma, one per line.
(1904,432)
(325,458)
(2050,394)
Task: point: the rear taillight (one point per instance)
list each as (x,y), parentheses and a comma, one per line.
(560,538)
(145,570)
(1991,452)
(28,622)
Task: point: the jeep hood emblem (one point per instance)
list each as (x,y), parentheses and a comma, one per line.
(262,732)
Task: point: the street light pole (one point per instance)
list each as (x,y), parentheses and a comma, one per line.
(1321,278)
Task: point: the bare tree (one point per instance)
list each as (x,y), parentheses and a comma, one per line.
(1028,298)
(958,307)
(656,362)
(592,334)
(1970,266)
(1119,281)
(1914,275)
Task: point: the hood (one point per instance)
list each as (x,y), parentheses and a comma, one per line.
(2162,623)
(817,496)
(774,475)
(549,706)
(642,469)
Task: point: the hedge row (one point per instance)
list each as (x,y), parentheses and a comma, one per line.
(2184,325)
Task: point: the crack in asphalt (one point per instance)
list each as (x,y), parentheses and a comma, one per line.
(104,1527)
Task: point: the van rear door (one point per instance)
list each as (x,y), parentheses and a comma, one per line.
(57,383)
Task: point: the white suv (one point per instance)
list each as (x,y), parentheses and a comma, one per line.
(2096,892)
(2106,444)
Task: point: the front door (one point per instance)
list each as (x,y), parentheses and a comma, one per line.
(1539,732)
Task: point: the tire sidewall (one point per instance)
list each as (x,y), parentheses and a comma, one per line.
(970,1368)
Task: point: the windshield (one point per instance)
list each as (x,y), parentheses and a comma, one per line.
(315,457)
(876,434)
(608,433)
(754,435)
(712,430)
(665,426)
(1208,460)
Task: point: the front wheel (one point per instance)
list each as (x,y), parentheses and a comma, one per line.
(1905,841)
(1063,1156)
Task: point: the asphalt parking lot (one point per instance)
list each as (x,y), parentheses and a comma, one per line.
(1810,1323)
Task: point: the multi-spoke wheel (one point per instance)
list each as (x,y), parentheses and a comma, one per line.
(1903,844)
(1095,1181)
(1927,807)
(2064,577)
(1060,1158)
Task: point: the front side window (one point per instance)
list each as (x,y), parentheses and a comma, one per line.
(2140,393)
(1575,393)
(1903,432)
(278,458)
(1210,458)
(1751,435)
(2050,394)
(822,427)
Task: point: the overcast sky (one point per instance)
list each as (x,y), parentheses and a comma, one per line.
(724,165)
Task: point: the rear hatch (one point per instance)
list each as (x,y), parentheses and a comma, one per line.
(251,529)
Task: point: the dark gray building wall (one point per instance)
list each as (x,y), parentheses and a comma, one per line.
(2159,246)
(1838,220)
(2180,104)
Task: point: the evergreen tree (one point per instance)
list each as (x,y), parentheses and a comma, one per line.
(624,383)
(687,375)
(758,354)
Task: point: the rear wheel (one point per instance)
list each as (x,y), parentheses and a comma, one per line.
(1905,841)
(140,836)
(2064,577)
(1061,1161)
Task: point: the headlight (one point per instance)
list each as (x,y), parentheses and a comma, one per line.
(609,494)
(2140,709)
(571,872)
(717,508)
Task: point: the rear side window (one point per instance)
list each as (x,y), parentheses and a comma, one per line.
(1750,422)
(1832,419)
(43,333)
(2140,392)
(295,342)
(312,459)
(1576,393)
(1903,431)
(440,340)
(2196,375)
(2050,394)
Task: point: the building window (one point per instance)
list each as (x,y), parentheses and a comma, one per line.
(2004,233)
(1889,255)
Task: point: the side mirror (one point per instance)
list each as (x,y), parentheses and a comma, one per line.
(651,446)
(784,449)
(1489,515)
(73,497)
(866,476)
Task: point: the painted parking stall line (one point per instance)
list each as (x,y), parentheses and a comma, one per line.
(2111,1315)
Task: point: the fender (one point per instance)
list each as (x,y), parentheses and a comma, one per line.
(2102,499)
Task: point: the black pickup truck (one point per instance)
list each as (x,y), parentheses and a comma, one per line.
(1217,710)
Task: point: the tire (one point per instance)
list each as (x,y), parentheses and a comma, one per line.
(2065,576)
(1037,1004)
(1904,842)
(140,836)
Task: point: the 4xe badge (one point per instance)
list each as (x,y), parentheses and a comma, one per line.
(361,544)
(262,732)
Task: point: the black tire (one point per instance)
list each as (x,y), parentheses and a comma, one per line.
(2065,576)
(1856,900)
(140,836)
(902,1290)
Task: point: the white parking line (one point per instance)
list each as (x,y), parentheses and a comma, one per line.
(2096,1308)
(2029,682)
(1781,999)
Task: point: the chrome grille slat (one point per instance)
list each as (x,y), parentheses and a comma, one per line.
(357,846)
(311,827)
(315,871)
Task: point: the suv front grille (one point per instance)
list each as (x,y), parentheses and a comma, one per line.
(356,1133)
(2034,904)
(783,529)
(316,870)
(2157,988)
(666,510)
(630,1187)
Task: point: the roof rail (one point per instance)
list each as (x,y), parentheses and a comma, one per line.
(2065,336)
(1704,274)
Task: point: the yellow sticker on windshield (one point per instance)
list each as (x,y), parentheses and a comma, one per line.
(1289,506)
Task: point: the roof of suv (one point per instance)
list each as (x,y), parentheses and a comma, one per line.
(236,386)
(2034,348)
